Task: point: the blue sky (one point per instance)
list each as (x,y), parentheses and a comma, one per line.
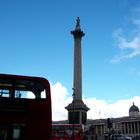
(35,40)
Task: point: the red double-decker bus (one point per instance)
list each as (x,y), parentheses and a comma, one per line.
(25,108)
(67,132)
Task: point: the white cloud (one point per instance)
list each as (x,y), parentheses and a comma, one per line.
(98,108)
(129,47)
(101,109)
(60,100)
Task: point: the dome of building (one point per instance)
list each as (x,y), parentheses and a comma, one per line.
(134,110)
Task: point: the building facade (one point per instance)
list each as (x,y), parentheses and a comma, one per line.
(128,126)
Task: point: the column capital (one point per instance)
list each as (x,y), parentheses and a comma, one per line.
(78,33)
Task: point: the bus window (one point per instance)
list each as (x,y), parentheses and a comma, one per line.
(3,134)
(43,94)
(4,93)
(29,95)
(18,131)
(22,89)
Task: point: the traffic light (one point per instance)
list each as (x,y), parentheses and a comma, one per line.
(109,123)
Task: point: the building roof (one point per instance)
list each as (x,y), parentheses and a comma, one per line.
(134,108)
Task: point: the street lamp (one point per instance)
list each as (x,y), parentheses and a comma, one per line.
(73,116)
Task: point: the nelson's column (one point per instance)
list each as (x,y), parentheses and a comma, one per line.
(77,110)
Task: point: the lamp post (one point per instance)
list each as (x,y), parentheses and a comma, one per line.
(73,116)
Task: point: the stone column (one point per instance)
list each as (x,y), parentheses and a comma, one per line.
(131,128)
(77,83)
(124,128)
(77,106)
(134,127)
(128,129)
(138,129)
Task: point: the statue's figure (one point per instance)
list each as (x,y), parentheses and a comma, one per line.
(78,23)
